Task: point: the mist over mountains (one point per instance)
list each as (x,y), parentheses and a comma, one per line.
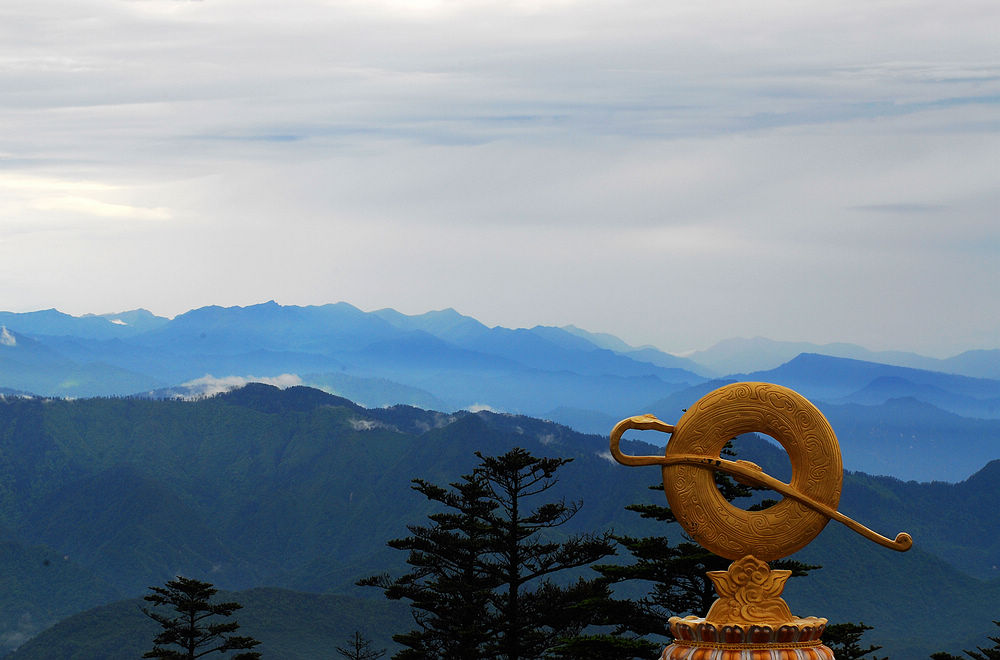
(896,413)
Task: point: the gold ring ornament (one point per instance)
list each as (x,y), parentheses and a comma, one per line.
(693,454)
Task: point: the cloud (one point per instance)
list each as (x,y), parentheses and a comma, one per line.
(31,203)
(902,208)
(49,184)
(606,455)
(6,338)
(674,173)
(209,385)
(94,207)
(366,424)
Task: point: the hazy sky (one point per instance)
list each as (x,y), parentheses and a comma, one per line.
(672,172)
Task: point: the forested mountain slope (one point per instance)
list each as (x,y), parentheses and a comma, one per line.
(299,489)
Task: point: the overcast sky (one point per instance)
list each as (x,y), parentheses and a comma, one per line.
(672,172)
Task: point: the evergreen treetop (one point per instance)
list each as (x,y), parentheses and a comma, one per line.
(480,582)
(195,628)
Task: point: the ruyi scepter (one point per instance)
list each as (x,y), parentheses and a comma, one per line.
(750,613)
(693,452)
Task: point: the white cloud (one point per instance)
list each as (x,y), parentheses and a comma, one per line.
(209,385)
(50,185)
(366,424)
(89,206)
(6,338)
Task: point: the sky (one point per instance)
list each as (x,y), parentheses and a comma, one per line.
(674,173)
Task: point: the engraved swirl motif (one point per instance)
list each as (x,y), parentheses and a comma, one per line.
(798,426)
(749,592)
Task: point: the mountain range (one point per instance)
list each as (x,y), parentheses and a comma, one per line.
(901,414)
(298,491)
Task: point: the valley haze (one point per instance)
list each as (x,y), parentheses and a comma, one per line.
(895,412)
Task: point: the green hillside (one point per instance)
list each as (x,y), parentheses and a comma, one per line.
(298,489)
(290,626)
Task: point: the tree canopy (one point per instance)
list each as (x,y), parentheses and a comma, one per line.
(480,580)
(360,648)
(197,627)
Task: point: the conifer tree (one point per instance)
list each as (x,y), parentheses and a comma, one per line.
(360,648)
(532,619)
(448,587)
(481,582)
(196,628)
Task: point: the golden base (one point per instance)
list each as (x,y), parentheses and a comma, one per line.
(696,639)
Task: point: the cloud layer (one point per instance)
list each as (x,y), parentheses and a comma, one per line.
(674,173)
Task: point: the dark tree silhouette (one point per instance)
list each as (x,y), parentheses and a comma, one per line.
(845,641)
(480,584)
(448,588)
(533,619)
(195,627)
(360,648)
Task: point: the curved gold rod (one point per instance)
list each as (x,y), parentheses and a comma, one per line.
(747,472)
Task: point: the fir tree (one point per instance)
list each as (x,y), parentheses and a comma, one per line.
(448,588)
(533,619)
(360,648)
(196,628)
(480,584)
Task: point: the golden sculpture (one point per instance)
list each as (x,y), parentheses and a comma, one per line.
(750,614)
(749,592)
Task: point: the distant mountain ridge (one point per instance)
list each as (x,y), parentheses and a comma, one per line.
(52,322)
(452,358)
(735,355)
(448,361)
(825,377)
(741,355)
